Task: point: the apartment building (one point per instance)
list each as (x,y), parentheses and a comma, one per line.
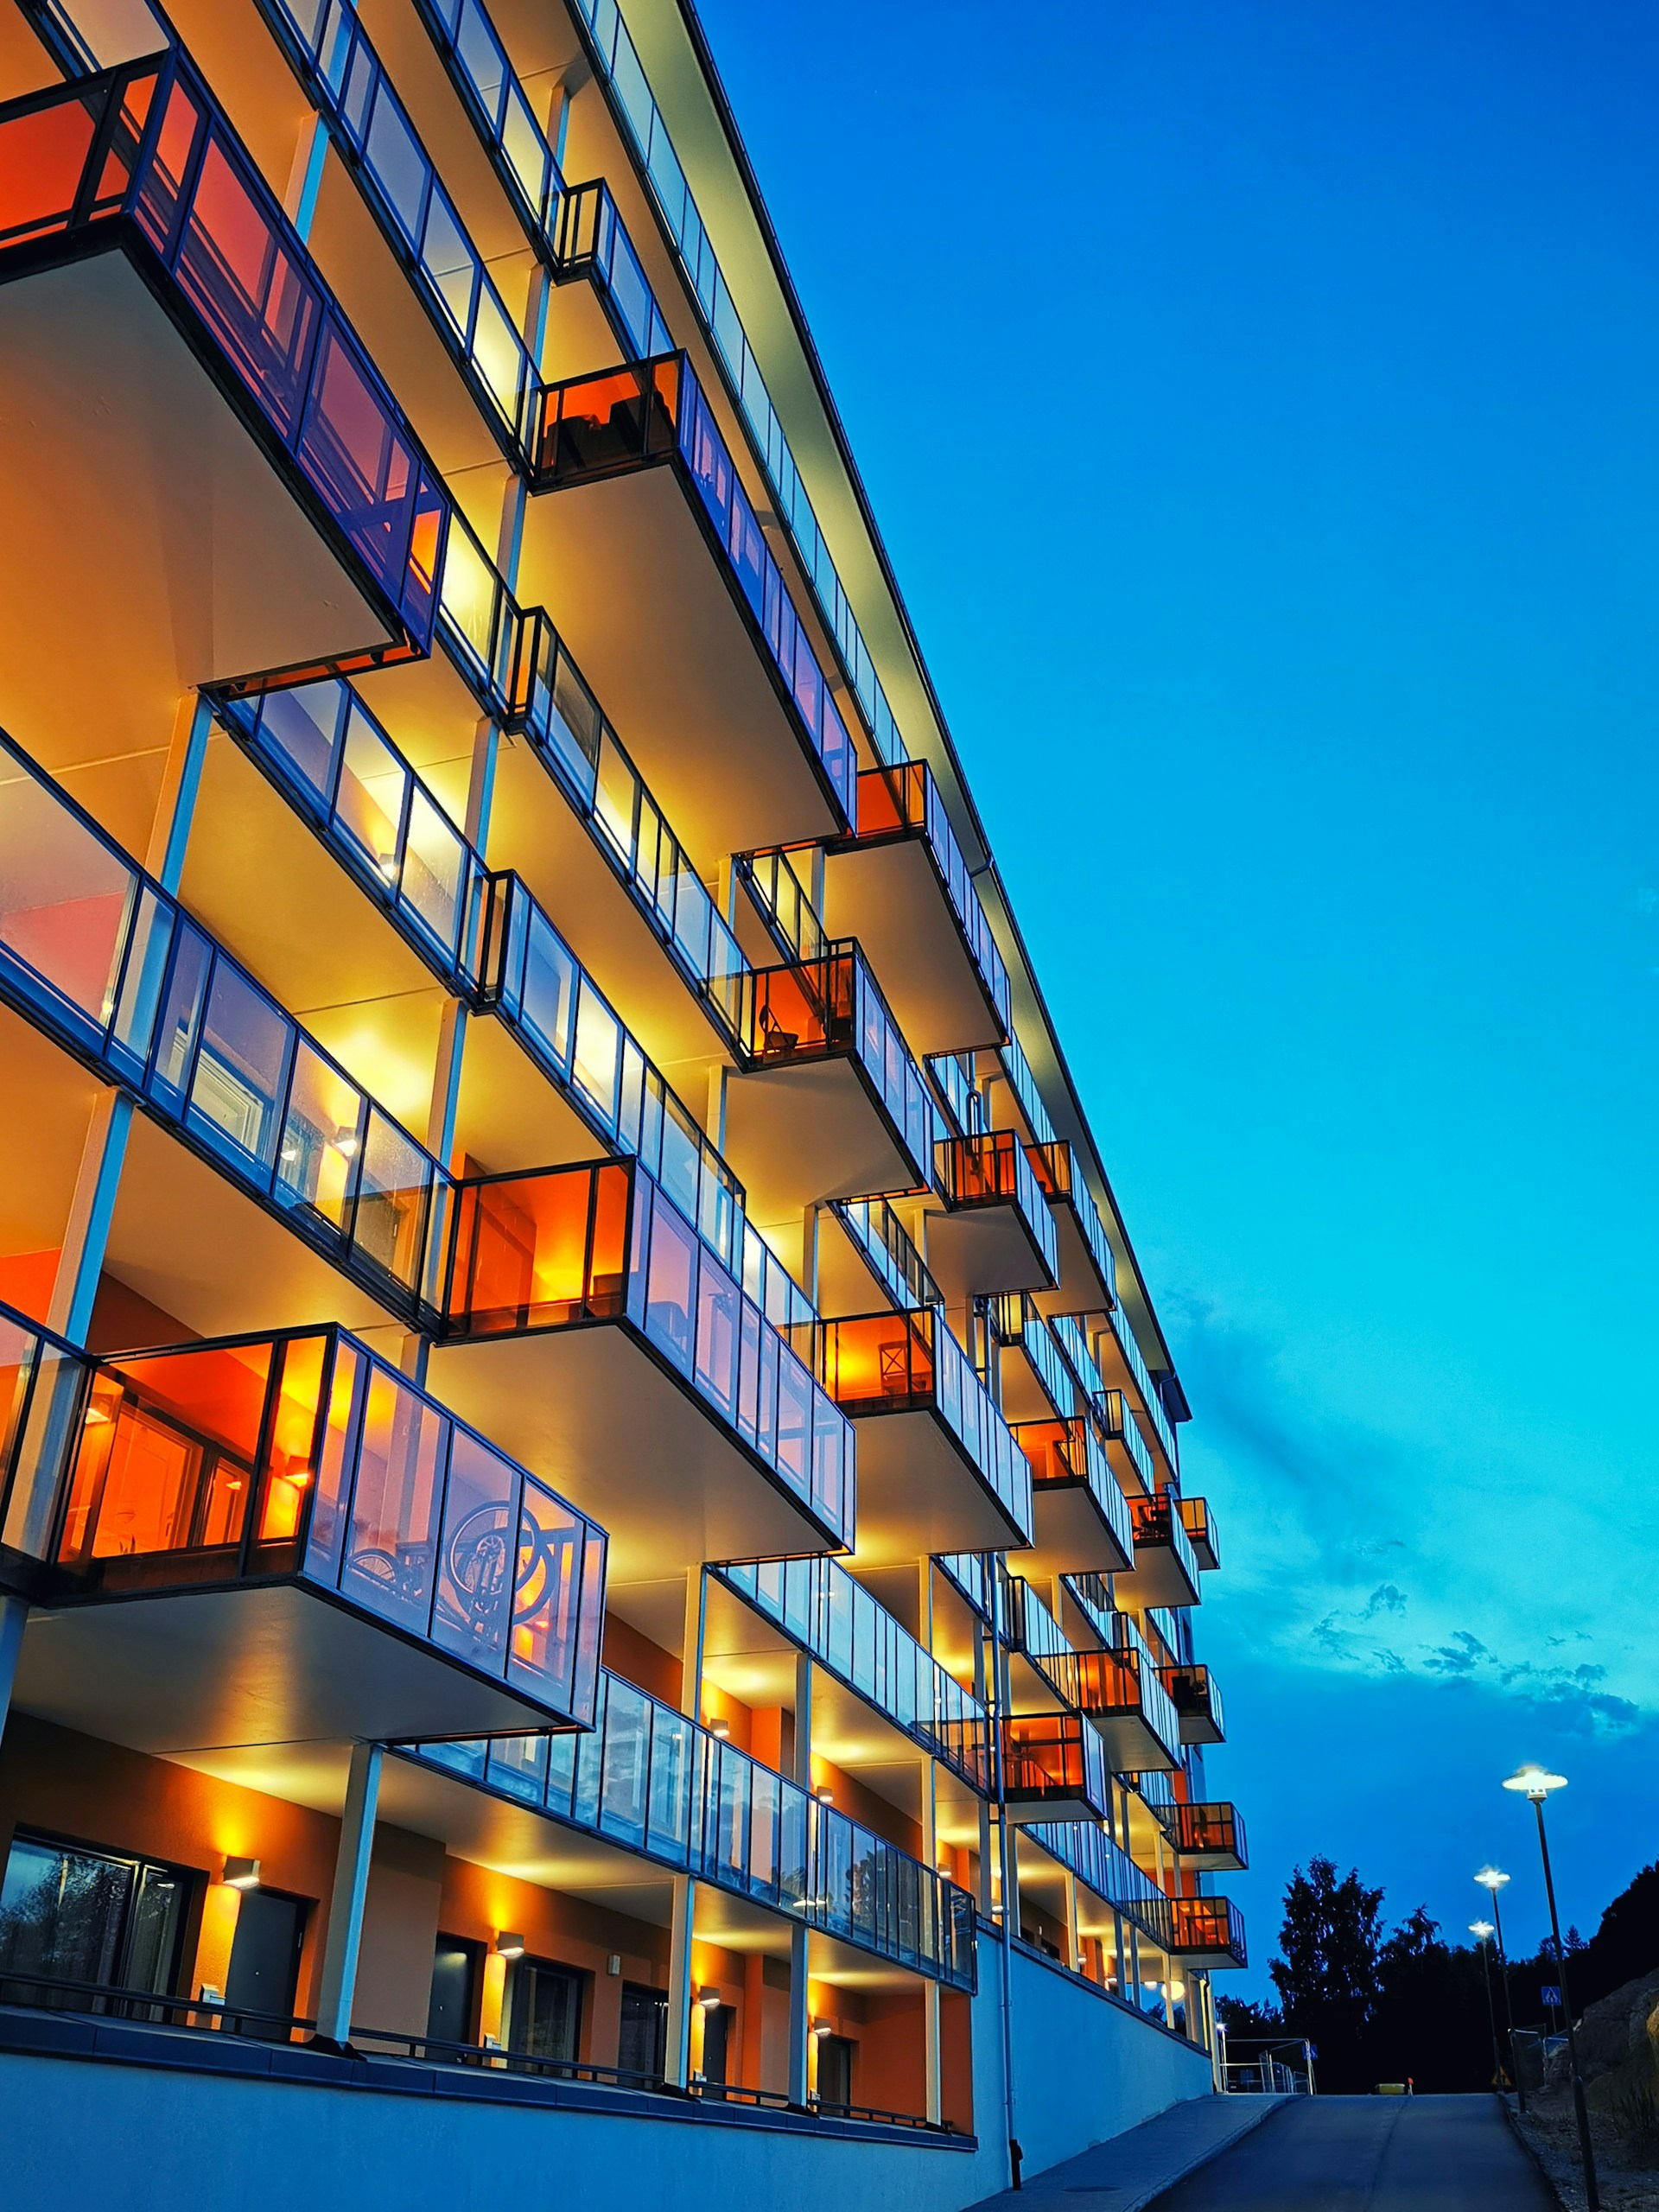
(592,1557)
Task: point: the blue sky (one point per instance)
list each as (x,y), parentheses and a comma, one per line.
(1258,400)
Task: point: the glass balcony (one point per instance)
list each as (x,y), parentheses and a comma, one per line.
(832,1103)
(1037,1381)
(292,1466)
(1082,1516)
(581,1308)
(1198,1700)
(1054,1768)
(823,1610)
(1119,1689)
(42,1390)
(1092,1595)
(1210,1838)
(1207,1931)
(1165,1572)
(1200,1525)
(649,543)
(1125,1447)
(655,1783)
(1106,1869)
(133,181)
(939,1466)
(95,953)
(953,1085)
(886,1246)
(1119,1358)
(997,1233)
(969,1573)
(1023,1084)
(1087,1273)
(900,885)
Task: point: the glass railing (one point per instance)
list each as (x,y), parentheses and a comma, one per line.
(1070,1335)
(331,757)
(1121,1427)
(889,1251)
(594,243)
(655,411)
(1105,1867)
(42,1391)
(144,146)
(953,1080)
(1153,1404)
(620,69)
(783,902)
(1017,1068)
(969,1573)
(877,1363)
(344,77)
(1200,1524)
(992,1171)
(94,950)
(1204,1928)
(1210,1830)
(1051,1758)
(557,1248)
(1068,1452)
(653,1781)
(1092,1593)
(1195,1696)
(1017,1324)
(833,1007)
(904,801)
(1026,1623)
(823,1610)
(1157,1523)
(551,704)
(302,1454)
(1061,1179)
(498,107)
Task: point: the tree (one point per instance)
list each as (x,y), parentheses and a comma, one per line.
(1327,1973)
(1624,1947)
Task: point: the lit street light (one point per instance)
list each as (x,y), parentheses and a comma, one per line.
(1492,1881)
(1534,1783)
(1482,1931)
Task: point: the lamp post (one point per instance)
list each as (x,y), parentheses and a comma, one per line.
(1482,1931)
(1492,1881)
(1534,1783)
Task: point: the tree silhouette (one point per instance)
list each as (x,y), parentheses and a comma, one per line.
(1326,1975)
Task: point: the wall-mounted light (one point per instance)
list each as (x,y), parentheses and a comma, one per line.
(242,1873)
(709,1997)
(613,1963)
(345,1140)
(825,1794)
(721,1731)
(509,1944)
(947,1868)
(820,2029)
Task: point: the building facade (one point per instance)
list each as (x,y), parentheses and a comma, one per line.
(591,1526)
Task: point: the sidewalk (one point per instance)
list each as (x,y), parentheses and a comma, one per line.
(1131,2170)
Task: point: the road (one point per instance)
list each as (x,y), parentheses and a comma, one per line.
(1370,2154)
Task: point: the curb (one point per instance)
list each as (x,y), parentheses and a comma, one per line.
(1512,2120)
(1150,2196)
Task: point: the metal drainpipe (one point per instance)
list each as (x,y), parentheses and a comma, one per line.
(999,1707)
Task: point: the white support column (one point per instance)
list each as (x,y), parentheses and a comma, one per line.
(800,2008)
(305,177)
(930,1986)
(1074,1941)
(344,1935)
(677,2060)
(987,1851)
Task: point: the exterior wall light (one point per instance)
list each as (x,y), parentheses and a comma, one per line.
(709,1997)
(242,1873)
(820,2029)
(721,1731)
(509,1944)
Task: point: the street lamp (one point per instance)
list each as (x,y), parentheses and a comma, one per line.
(1492,1881)
(1534,1783)
(1483,1932)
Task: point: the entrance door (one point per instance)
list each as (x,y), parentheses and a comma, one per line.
(834,2070)
(546,2015)
(452,2014)
(264,1974)
(68,1914)
(716,2041)
(643,2046)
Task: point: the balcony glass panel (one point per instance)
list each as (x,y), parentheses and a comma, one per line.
(1069,1452)
(904,801)
(1106,1868)
(1059,1176)
(783,902)
(1207,1927)
(496,102)
(953,1082)
(1016,1321)
(654,1781)
(1054,1755)
(1122,1426)
(42,1383)
(1194,1693)
(1151,1403)
(1017,1068)
(303,1454)
(823,1610)
(969,1574)
(992,1170)
(889,1251)
(594,243)
(1158,1522)
(908,1362)
(1209,1830)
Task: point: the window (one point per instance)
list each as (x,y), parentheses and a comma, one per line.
(70,1914)
(544,2020)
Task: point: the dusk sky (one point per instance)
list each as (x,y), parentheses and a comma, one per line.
(1258,399)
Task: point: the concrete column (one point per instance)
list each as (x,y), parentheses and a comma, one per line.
(930,1986)
(92,1209)
(800,2009)
(344,1935)
(678,2062)
(305,177)
(176,806)
(1073,1939)
(696,1616)
(986,1897)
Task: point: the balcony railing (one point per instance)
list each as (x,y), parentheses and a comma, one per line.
(1208,1929)
(904,801)
(1093,1593)
(877,1363)
(888,1250)
(823,1610)
(1157,1526)
(1057,1170)
(43,1393)
(653,411)
(992,1170)
(1056,1758)
(1017,1324)
(303,1456)
(142,155)
(969,1573)
(1122,1429)
(1017,1068)
(1198,1700)
(653,1781)
(1064,1454)
(1105,1867)
(1200,1525)
(953,1082)
(565,1248)
(1152,1404)
(499,108)
(833,1008)
(783,902)
(1214,1831)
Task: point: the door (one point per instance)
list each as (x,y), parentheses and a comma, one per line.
(545,2019)
(834,2070)
(452,2012)
(264,1974)
(718,2021)
(642,2047)
(71,1914)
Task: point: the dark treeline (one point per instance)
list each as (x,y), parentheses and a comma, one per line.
(1404,2004)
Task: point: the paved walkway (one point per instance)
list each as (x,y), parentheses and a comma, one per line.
(1133,2168)
(1370,2154)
